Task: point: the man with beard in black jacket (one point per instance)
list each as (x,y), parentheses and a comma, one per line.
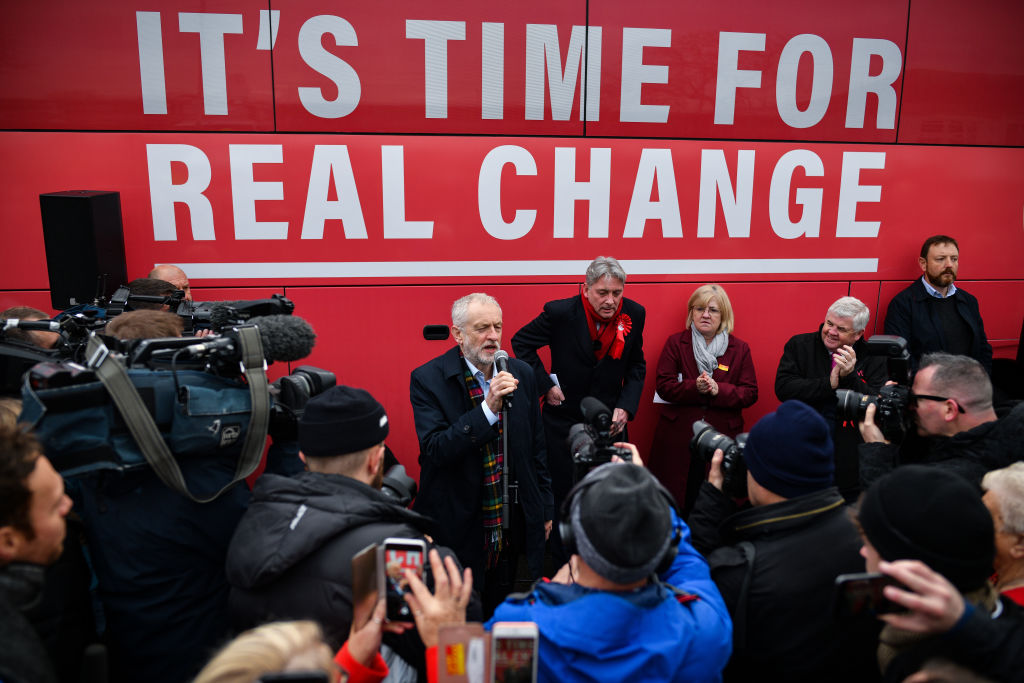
(291,556)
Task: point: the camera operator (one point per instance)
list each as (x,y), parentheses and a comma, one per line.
(158,556)
(291,556)
(147,286)
(608,615)
(951,405)
(41,338)
(174,275)
(775,562)
(145,324)
(929,529)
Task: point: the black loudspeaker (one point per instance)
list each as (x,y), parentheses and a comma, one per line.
(84,245)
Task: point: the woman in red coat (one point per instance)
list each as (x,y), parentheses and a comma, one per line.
(704,373)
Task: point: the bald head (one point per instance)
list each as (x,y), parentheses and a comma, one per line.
(175,275)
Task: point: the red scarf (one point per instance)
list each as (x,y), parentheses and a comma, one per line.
(612,337)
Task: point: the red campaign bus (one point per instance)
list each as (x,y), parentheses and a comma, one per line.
(373,162)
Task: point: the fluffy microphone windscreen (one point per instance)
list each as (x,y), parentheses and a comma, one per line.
(284,337)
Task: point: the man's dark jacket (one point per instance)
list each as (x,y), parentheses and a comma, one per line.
(806,365)
(784,628)
(291,556)
(563,327)
(23,659)
(972,453)
(911,315)
(452,433)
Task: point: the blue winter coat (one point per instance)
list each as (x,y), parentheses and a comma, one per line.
(651,634)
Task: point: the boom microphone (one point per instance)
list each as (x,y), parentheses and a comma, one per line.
(284,338)
(501,360)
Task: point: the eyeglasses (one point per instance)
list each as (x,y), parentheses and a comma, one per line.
(711,311)
(926,397)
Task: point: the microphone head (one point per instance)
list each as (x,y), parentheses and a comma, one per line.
(595,413)
(284,337)
(501,354)
(222,316)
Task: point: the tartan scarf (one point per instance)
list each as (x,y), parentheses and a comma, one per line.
(492,477)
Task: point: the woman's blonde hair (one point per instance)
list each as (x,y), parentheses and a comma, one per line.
(705,293)
(271,648)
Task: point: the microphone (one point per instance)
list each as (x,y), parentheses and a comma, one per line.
(216,344)
(284,338)
(501,360)
(44,325)
(596,414)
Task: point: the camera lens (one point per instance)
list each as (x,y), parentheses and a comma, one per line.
(852,405)
(706,439)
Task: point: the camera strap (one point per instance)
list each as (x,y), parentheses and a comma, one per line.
(140,423)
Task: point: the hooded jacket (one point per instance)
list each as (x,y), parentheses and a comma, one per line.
(291,556)
(649,634)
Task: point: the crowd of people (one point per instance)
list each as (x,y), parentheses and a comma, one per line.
(636,566)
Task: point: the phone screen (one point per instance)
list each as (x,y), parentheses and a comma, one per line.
(514,659)
(859,594)
(397,558)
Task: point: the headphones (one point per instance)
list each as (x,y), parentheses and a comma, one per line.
(565,529)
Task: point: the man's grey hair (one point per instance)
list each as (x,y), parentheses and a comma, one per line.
(961,378)
(851,307)
(604,266)
(460,309)
(1008,484)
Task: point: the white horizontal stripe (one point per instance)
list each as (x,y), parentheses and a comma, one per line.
(443,269)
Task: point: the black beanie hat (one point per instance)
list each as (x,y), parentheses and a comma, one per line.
(622,522)
(341,420)
(917,512)
(789,452)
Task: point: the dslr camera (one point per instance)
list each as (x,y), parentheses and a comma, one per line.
(706,440)
(892,400)
(590,441)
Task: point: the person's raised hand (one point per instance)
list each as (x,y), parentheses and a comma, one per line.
(447,605)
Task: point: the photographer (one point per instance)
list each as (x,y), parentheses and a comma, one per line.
(951,406)
(608,615)
(775,562)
